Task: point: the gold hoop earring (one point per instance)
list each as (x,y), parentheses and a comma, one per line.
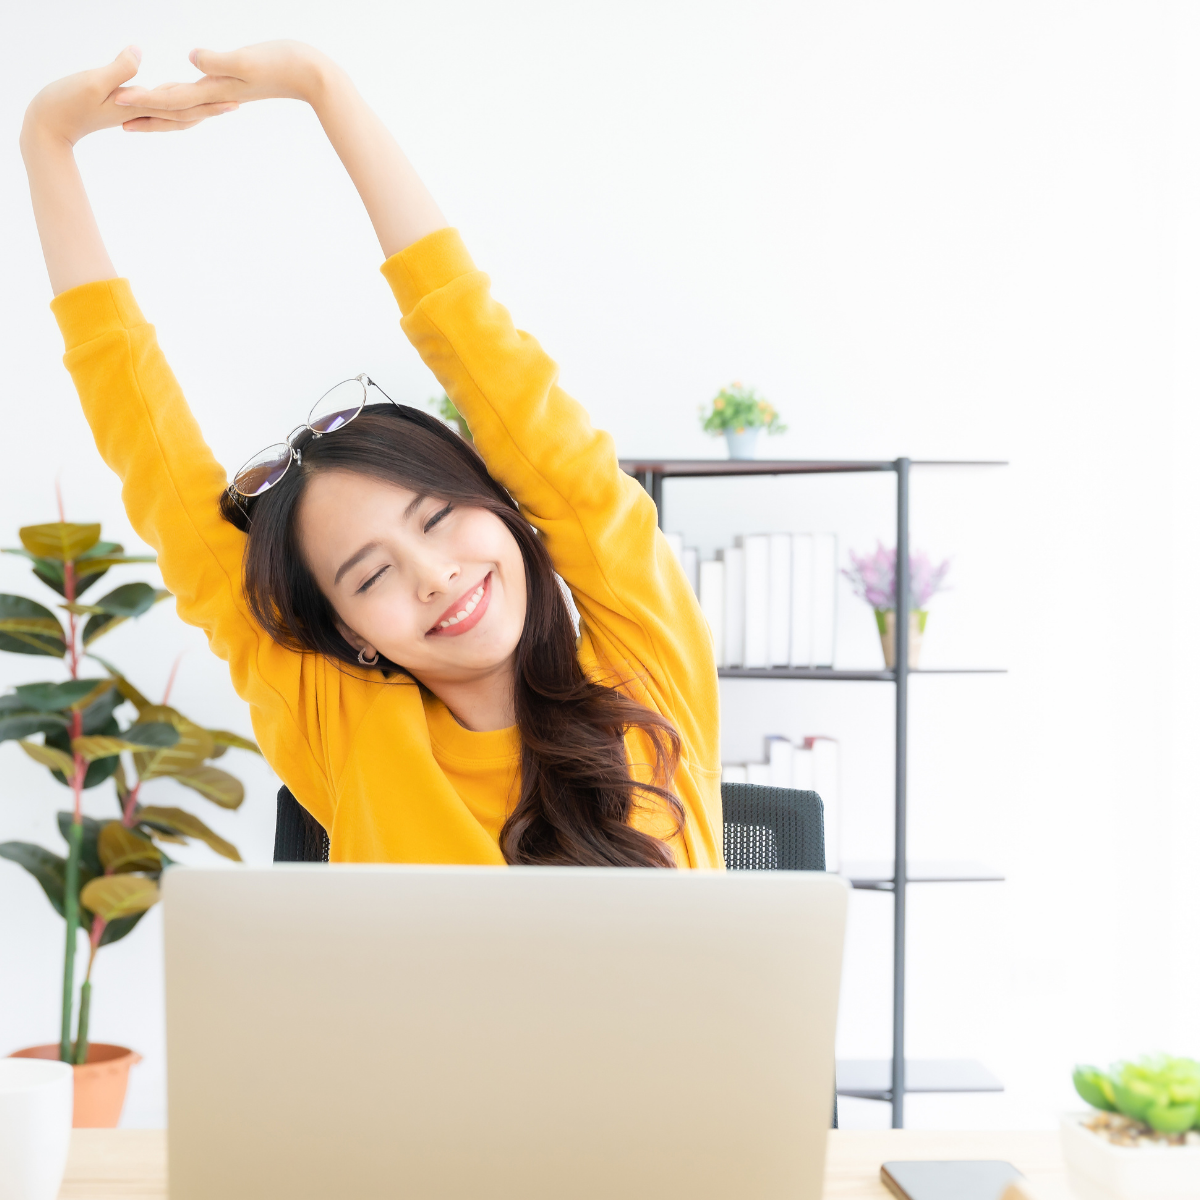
(367,662)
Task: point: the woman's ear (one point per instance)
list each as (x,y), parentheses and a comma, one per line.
(360,644)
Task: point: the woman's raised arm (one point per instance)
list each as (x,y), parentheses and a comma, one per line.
(141,422)
(59,116)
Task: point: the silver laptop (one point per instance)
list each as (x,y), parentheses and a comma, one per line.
(362,1032)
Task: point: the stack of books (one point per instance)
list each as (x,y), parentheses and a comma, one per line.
(771,598)
(810,764)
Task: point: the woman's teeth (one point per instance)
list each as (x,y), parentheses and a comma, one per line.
(464,613)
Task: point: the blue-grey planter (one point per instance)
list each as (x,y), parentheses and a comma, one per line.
(742,445)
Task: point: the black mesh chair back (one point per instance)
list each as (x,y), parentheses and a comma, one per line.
(772,829)
(298,835)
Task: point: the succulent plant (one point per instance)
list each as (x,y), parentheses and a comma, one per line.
(1160,1091)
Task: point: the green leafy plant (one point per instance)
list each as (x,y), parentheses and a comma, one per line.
(109,876)
(1160,1091)
(739,408)
(444,407)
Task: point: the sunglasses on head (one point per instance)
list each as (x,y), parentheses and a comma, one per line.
(334,410)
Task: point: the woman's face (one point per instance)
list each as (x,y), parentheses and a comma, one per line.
(435,587)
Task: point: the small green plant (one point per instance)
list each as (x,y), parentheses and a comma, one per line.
(444,407)
(1159,1091)
(109,877)
(739,408)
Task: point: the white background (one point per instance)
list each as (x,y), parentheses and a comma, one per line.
(932,229)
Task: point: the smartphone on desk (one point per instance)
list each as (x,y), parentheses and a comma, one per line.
(982,1179)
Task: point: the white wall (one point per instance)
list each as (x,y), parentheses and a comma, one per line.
(932,229)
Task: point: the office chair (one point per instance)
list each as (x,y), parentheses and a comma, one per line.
(298,835)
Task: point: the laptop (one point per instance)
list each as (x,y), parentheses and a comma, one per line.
(341,1032)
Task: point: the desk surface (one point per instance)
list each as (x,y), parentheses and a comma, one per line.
(131,1164)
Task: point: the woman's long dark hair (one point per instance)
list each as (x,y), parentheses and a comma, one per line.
(577,795)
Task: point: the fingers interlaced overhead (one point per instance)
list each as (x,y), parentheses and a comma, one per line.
(175,96)
(157,125)
(153,121)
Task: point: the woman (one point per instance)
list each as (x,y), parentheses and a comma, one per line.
(385,607)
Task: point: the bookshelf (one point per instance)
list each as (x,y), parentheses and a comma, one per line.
(876,1079)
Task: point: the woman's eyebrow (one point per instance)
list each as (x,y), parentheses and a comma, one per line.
(412,508)
(354,560)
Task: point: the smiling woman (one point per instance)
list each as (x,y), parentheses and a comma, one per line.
(386,594)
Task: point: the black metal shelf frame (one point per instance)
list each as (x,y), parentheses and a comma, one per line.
(651,473)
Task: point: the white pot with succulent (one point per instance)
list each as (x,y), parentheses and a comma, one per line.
(1141,1139)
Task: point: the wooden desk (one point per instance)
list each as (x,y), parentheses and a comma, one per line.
(131,1164)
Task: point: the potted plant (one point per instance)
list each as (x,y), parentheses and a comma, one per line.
(740,413)
(873,578)
(1141,1141)
(109,876)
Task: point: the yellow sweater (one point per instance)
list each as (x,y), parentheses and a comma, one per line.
(392,776)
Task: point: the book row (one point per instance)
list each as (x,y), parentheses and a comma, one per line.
(770,598)
(811,764)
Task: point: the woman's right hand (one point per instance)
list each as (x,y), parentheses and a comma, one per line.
(71,108)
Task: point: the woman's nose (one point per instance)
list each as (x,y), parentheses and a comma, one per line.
(436,577)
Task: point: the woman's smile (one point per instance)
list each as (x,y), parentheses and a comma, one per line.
(465,613)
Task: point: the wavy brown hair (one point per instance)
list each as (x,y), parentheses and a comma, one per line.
(577,795)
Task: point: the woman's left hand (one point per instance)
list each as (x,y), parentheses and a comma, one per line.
(266,71)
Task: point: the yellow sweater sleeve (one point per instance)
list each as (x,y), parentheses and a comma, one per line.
(641,620)
(171,484)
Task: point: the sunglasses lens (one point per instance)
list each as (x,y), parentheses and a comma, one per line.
(339,406)
(263,471)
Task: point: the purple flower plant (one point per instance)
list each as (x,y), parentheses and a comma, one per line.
(873,577)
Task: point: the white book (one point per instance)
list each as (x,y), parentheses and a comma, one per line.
(759,773)
(802,769)
(675,541)
(779,760)
(757,549)
(735,605)
(824,603)
(712,604)
(734,773)
(802,592)
(826,769)
(779,598)
(691,567)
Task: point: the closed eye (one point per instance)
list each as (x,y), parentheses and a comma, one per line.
(437,516)
(374,578)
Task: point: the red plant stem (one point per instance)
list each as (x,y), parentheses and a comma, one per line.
(98,924)
(131,803)
(171,677)
(80,767)
(69,589)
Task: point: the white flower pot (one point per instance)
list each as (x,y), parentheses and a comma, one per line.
(1098,1170)
(742,444)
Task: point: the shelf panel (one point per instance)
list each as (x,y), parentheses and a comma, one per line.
(881,675)
(879,874)
(871,1078)
(684,468)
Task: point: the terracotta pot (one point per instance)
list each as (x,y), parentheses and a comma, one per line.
(885,619)
(100,1083)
